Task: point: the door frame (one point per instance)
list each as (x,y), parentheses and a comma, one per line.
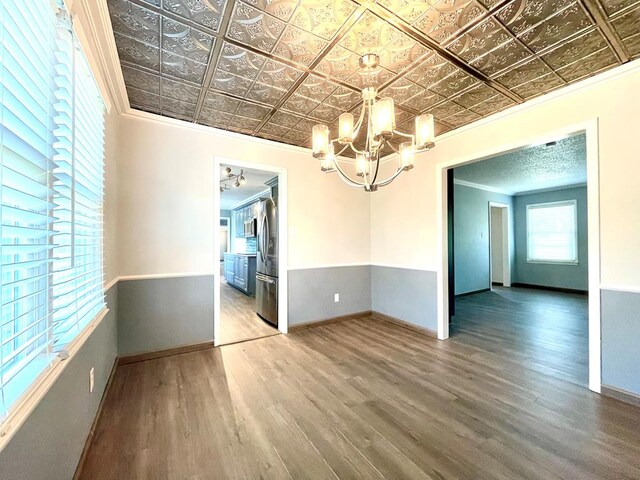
(590,129)
(505,210)
(283,248)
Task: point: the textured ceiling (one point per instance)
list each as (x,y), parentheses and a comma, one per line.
(255,184)
(534,168)
(274,68)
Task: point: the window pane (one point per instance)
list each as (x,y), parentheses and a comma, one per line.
(551,232)
(51,191)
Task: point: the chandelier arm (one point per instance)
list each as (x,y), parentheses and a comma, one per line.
(406,135)
(345,178)
(391,178)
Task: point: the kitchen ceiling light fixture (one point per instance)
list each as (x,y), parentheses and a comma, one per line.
(377,120)
(230,176)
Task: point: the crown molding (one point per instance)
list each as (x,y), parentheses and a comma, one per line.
(551,189)
(96,14)
(480,186)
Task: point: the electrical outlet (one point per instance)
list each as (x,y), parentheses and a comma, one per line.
(336,297)
(91,379)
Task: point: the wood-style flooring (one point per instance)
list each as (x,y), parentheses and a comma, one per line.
(366,399)
(238,318)
(549,331)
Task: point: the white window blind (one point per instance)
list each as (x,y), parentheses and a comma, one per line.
(51,186)
(552,234)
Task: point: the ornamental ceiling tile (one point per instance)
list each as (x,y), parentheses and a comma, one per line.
(368,35)
(183,68)
(493,105)
(480,40)
(265,94)
(475,96)
(135,21)
(180,91)
(227,82)
(184,41)
(141,79)
(278,75)
(574,50)
(222,103)
(207,13)
(538,86)
(521,15)
(184,109)
(240,61)
(613,6)
(137,53)
(254,27)
(524,73)
(252,110)
(322,17)
(285,119)
(448,17)
(282,9)
(556,29)
(627,24)
(343,98)
(299,46)
(295,63)
(408,10)
(588,66)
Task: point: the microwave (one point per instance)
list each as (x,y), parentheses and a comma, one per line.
(251,228)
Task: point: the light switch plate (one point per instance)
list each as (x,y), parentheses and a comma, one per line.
(91,379)
(336,297)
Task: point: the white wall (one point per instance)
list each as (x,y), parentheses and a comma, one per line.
(165,200)
(404,213)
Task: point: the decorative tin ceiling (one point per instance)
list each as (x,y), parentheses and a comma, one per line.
(274,68)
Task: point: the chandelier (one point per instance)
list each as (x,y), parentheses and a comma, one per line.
(377,122)
(229,177)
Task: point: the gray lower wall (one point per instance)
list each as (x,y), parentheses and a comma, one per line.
(49,444)
(409,295)
(160,313)
(311,292)
(621,340)
(575,277)
(471,236)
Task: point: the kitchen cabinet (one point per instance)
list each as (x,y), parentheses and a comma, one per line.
(242,215)
(240,272)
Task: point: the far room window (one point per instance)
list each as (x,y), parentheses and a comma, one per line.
(552,233)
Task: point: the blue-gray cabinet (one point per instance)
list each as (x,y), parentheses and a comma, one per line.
(240,272)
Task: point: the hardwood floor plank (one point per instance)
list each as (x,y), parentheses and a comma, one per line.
(365,398)
(238,318)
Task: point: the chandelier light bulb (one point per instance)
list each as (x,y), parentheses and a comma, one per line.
(345,127)
(424,131)
(327,162)
(406,155)
(320,134)
(384,117)
(227,171)
(361,164)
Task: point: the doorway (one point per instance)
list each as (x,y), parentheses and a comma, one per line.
(589,130)
(250,298)
(499,245)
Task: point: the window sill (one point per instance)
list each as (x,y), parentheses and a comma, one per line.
(32,397)
(552,262)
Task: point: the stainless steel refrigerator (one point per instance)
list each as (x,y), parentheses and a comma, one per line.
(267,262)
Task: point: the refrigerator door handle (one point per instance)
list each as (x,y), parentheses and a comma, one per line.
(264,278)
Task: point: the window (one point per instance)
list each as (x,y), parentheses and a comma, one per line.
(552,235)
(51,189)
